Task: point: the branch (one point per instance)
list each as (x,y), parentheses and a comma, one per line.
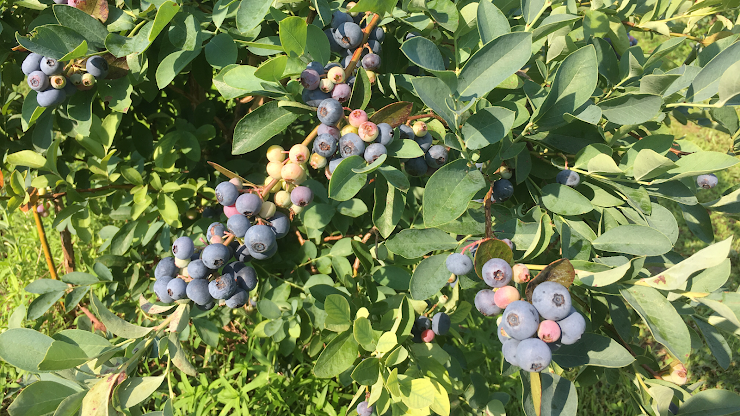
(96,323)
(44,243)
(358,52)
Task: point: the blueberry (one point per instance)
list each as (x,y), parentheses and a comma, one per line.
(301,196)
(226,193)
(207,307)
(266,255)
(416,166)
(459,264)
(280,224)
(341,92)
(373,151)
(197,291)
(385,134)
(571,328)
(50,97)
(351,145)
(316,66)
(50,66)
(330,111)
(176,289)
(249,204)
(371,62)
(238,225)
(214,256)
(552,300)
(325,145)
(497,273)
(242,254)
(568,177)
(510,351)
(166,268)
(501,332)
(260,239)
(520,320)
(374,46)
(363,409)
(38,81)
(441,323)
(707,181)
(314,97)
(210,212)
(246,278)
(406,132)
(160,289)
(198,270)
(508,243)
(436,157)
(348,35)
(422,323)
(183,248)
(310,79)
(485,304)
(377,34)
(351,81)
(57,81)
(339,17)
(633,40)
(216,228)
(331,65)
(333,45)
(97,66)
(222,287)
(330,130)
(238,299)
(70,89)
(411,35)
(533,355)
(502,190)
(31,63)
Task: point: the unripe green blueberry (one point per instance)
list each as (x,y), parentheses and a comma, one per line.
(58,81)
(182,262)
(274,170)
(521,273)
(420,129)
(372,76)
(317,161)
(275,187)
(268,209)
(303,177)
(336,75)
(299,153)
(350,5)
(76,79)
(296,209)
(191,214)
(275,153)
(282,199)
(505,172)
(88,81)
(368,131)
(349,129)
(326,85)
(291,171)
(287,186)
(435,35)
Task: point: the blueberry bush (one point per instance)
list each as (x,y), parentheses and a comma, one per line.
(370,208)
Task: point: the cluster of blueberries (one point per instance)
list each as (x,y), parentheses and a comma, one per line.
(425,329)
(46,76)
(290,173)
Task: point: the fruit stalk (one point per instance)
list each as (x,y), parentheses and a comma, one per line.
(45,244)
(487,203)
(358,52)
(266,189)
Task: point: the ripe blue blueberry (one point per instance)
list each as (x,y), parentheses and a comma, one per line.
(301,196)
(363,409)
(183,248)
(50,66)
(210,212)
(348,35)
(333,45)
(552,300)
(325,145)
(533,355)
(509,349)
(222,287)
(416,166)
(406,132)
(373,151)
(351,81)
(160,289)
(568,177)
(485,304)
(246,278)
(520,320)
(197,291)
(330,130)
(341,92)
(423,323)
(351,145)
(216,228)
(707,181)
(502,190)
(97,66)
(38,81)
(166,268)
(238,299)
(226,193)
(334,163)
(330,111)
(371,62)
(176,288)
(214,256)
(497,273)
(249,204)
(50,97)
(314,97)
(207,307)
(316,66)
(633,40)
(310,79)
(242,254)
(260,239)
(571,328)
(411,35)
(70,89)
(377,34)
(385,134)
(31,63)
(436,157)
(339,17)
(280,224)
(374,46)
(441,323)
(238,224)
(198,270)
(265,255)
(459,264)
(502,335)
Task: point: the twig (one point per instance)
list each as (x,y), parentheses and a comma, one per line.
(358,52)
(44,243)
(487,202)
(96,323)
(311,136)
(429,115)
(356,265)
(300,237)
(672,150)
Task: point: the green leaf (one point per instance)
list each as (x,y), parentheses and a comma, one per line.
(259,126)
(565,200)
(448,192)
(417,393)
(361,90)
(698,220)
(386,216)
(558,396)
(137,389)
(706,83)
(664,322)
(293,34)
(179,357)
(337,357)
(27,158)
(712,402)
(492,64)
(631,108)
(117,325)
(650,164)
(492,23)
(380,7)
(272,70)
(367,372)
(221,50)
(676,277)
(251,14)
(207,330)
(607,277)
(434,93)
(168,209)
(573,85)
(84,24)
(352,208)
(487,126)
(61,356)
(41,304)
(593,349)
(531,10)
(173,64)
(423,53)
(165,13)
(24,348)
(622,240)
(404,149)
(394,277)
(54,41)
(344,183)
(429,277)
(716,342)
(317,45)
(413,243)
(70,406)
(39,398)
(699,163)
(41,286)
(363,332)
(337,310)
(91,344)
(395,178)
